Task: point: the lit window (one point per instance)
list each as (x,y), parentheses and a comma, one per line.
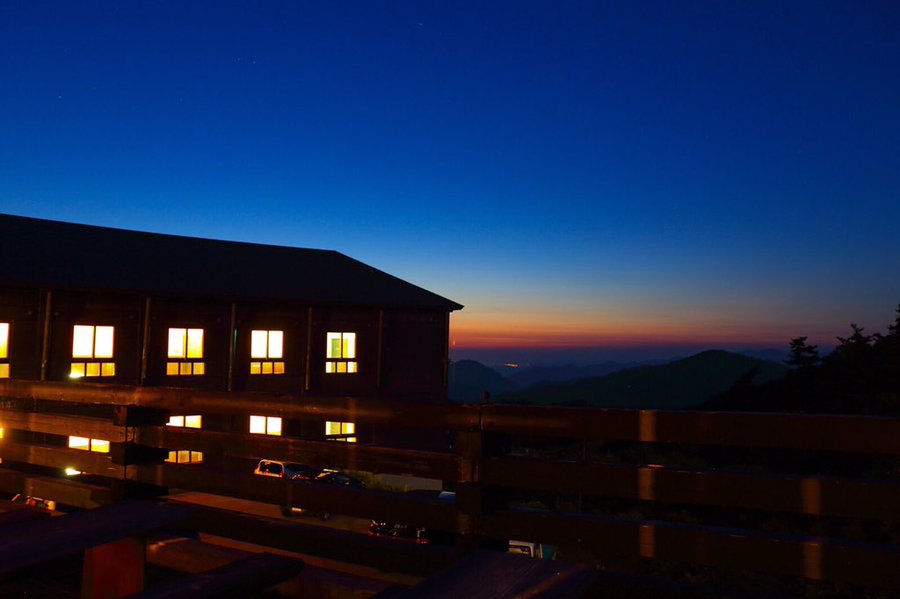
(185,456)
(92,344)
(340,431)
(265,425)
(194,421)
(4,350)
(340,351)
(266,351)
(185,348)
(83,443)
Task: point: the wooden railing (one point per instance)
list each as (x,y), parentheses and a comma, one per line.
(485,476)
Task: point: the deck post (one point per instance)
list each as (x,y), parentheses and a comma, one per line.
(113,569)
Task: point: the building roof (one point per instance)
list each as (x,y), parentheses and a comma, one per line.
(55,254)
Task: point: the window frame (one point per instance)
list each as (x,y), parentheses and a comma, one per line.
(346,361)
(182,362)
(93,364)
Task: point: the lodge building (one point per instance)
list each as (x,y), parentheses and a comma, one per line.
(86,304)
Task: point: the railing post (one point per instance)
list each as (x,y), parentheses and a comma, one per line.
(473,500)
(113,570)
(130,454)
(469,492)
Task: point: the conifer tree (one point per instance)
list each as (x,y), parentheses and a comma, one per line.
(802,354)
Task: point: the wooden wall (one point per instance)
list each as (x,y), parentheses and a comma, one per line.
(400,353)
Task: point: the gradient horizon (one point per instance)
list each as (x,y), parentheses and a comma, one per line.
(580,175)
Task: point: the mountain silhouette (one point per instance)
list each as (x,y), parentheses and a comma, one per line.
(470,379)
(683,383)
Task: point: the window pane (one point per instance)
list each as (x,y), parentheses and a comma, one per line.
(332,428)
(333,345)
(184,456)
(258,344)
(103,342)
(4,371)
(79,443)
(199,368)
(258,424)
(195,421)
(99,446)
(171,368)
(279,367)
(255,367)
(196,456)
(348,428)
(329,366)
(276,344)
(351,366)
(4,340)
(176,421)
(267,368)
(349,345)
(184,368)
(77,370)
(172,456)
(93,369)
(177,338)
(341,367)
(83,341)
(273,426)
(195,343)
(108,369)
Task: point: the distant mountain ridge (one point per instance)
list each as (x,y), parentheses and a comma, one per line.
(531,375)
(468,380)
(683,383)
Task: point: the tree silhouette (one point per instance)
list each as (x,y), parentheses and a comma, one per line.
(803,355)
(856,341)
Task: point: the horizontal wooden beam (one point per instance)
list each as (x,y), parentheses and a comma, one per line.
(182,554)
(239,578)
(811,495)
(317,497)
(386,555)
(329,454)
(53,456)
(838,433)
(61,424)
(831,433)
(29,543)
(413,414)
(867,564)
(71,492)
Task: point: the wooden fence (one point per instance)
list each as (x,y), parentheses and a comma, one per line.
(35,415)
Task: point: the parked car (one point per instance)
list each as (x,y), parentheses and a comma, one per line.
(535,550)
(427,536)
(295,471)
(280,469)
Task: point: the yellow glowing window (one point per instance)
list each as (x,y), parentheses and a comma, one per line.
(85,444)
(92,344)
(265,425)
(340,353)
(185,456)
(266,351)
(340,431)
(193,421)
(4,340)
(185,348)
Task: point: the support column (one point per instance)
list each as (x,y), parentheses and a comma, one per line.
(113,570)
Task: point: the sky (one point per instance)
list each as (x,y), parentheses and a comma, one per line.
(631,177)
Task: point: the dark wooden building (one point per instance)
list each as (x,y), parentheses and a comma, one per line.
(91,304)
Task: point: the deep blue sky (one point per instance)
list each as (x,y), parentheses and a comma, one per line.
(597,173)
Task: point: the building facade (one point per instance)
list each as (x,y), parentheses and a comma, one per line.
(87,304)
